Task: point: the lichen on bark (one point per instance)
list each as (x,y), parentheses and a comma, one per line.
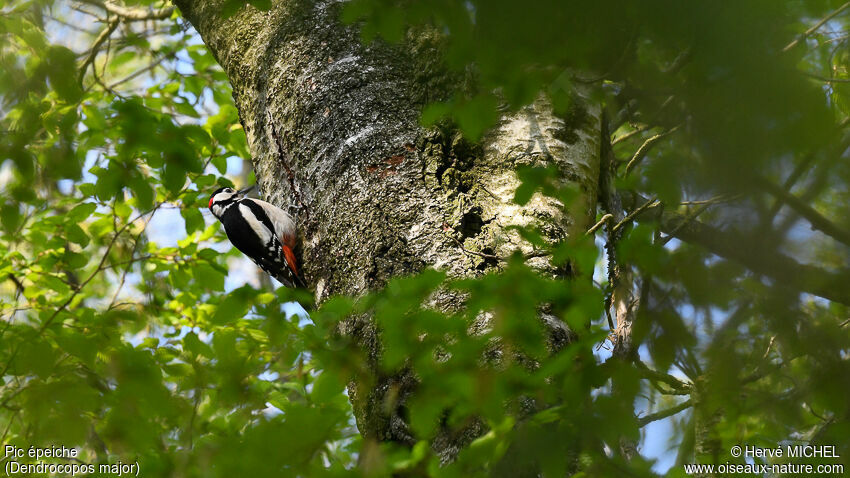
(334,133)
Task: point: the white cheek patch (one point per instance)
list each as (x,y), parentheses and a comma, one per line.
(261,231)
(217,208)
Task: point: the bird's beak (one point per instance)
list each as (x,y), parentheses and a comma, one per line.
(245,191)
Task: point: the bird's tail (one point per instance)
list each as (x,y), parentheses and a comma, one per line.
(291,280)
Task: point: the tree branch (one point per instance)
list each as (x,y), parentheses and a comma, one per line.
(599,224)
(620,276)
(816,26)
(96,46)
(801,168)
(646,146)
(651,202)
(631,133)
(97,270)
(816,219)
(747,252)
(825,79)
(18,285)
(678,387)
(141,71)
(660,415)
(132,14)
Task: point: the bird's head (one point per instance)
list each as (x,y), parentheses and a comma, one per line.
(223,197)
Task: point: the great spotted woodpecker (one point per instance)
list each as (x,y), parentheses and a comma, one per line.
(263,232)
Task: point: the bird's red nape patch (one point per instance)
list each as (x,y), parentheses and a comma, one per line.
(290,258)
(211,200)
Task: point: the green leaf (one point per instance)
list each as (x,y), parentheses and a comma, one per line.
(142,191)
(220,163)
(433,113)
(108,183)
(185,108)
(87,189)
(177,369)
(192,343)
(230,7)
(173,178)
(10,216)
(193,218)
(208,254)
(78,345)
(327,387)
(234,306)
(75,234)
(476,115)
(211,275)
(122,210)
(263,5)
(123,58)
(75,260)
(80,212)
(94,119)
(62,72)
(36,356)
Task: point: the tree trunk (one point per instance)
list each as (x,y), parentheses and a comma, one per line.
(333,128)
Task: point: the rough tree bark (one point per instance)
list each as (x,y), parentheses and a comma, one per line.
(333,129)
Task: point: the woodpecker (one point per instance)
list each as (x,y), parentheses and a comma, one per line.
(263,232)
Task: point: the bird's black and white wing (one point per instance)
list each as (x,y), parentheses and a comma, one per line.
(284,226)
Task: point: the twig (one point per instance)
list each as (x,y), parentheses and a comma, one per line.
(115,265)
(690,217)
(123,304)
(139,72)
(530,255)
(132,252)
(13,395)
(815,27)
(132,14)
(769,345)
(18,285)
(652,417)
(646,146)
(479,254)
(652,202)
(77,8)
(825,79)
(190,431)
(619,277)
(714,200)
(815,218)
(96,46)
(97,77)
(678,387)
(70,299)
(630,134)
(599,224)
(678,62)
(6,431)
(94,273)
(741,249)
(66,24)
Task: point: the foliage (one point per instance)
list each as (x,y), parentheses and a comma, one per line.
(135,351)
